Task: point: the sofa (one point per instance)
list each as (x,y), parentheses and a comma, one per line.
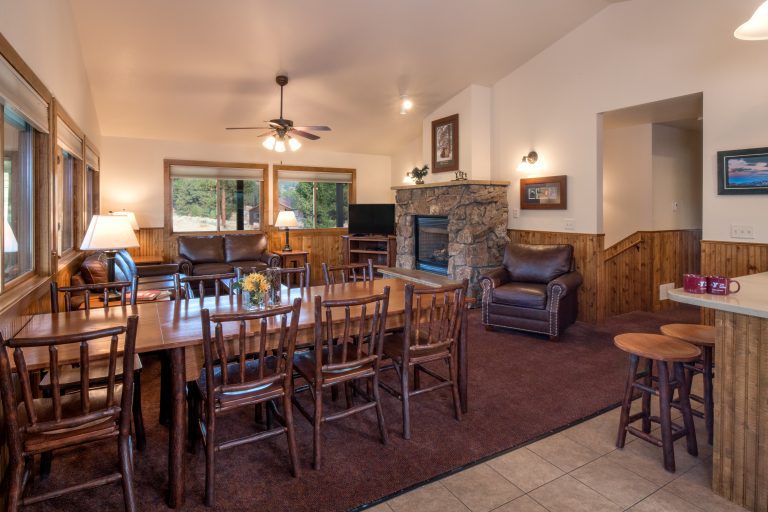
(221,254)
(535,290)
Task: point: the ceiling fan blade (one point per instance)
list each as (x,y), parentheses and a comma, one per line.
(249,128)
(306,135)
(270,132)
(274,124)
(313,128)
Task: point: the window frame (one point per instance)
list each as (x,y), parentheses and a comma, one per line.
(276,169)
(95,196)
(168,199)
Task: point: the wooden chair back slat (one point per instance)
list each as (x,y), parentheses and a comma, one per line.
(123,288)
(84,378)
(56,389)
(296,275)
(339,339)
(432,317)
(350,272)
(184,286)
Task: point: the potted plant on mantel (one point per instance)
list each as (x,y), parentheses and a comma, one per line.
(418,174)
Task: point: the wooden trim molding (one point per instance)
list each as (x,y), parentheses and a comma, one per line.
(21,67)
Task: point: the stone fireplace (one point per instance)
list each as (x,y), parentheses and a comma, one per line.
(471,216)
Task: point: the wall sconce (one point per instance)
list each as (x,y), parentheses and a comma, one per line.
(528,161)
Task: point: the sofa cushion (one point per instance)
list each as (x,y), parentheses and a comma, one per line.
(249,266)
(537,263)
(244,247)
(207,269)
(93,270)
(524,295)
(202,249)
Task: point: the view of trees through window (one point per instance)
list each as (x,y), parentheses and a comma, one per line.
(316,204)
(213,204)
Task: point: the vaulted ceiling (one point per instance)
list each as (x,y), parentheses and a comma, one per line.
(186,69)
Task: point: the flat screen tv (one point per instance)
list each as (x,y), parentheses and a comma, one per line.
(372,219)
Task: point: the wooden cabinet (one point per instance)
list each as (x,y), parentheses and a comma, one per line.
(381,249)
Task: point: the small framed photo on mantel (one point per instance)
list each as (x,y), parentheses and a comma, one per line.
(445,144)
(546,193)
(742,171)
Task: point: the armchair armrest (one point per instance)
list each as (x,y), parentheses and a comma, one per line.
(184,266)
(271,259)
(494,278)
(566,283)
(162,269)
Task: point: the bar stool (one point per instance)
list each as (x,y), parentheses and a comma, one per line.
(703,336)
(662,350)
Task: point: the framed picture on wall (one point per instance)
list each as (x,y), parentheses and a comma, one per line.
(445,144)
(547,193)
(742,171)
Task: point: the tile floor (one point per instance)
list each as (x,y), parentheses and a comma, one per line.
(578,469)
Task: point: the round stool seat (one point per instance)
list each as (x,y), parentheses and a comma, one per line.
(698,334)
(657,347)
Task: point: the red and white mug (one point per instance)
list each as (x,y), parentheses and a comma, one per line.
(695,283)
(721,285)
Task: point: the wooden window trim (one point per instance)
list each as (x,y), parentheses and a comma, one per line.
(337,170)
(21,67)
(167,199)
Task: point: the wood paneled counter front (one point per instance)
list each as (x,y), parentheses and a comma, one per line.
(740,458)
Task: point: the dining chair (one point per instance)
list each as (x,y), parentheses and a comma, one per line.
(348,342)
(64,421)
(235,377)
(298,276)
(76,297)
(432,328)
(349,272)
(184,286)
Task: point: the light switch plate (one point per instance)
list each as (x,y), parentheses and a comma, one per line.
(569,225)
(515,213)
(742,231)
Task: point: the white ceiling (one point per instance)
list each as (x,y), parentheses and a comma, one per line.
(186,69)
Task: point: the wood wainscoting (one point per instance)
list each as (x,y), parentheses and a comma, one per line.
(636,266)
(588,252)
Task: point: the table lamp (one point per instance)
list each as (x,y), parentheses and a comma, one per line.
(286,219)
(131,218)
(109,233)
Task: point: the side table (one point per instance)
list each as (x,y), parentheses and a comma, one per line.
(290,259)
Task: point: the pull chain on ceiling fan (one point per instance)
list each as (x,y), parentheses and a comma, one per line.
(281,131)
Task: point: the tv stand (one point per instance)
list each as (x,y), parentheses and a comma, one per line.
(382,249)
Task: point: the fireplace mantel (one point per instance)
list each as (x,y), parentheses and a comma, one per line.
(498,183)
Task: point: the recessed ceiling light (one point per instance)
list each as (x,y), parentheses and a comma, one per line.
(406,104)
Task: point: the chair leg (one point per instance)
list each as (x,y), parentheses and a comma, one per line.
(317,421)
(685,407)
(165,389)
(379,410)
(348,393)
(193,419)
(665,415)
(405,394)
(138,417)
(709,403)
(16,485)
(646,399)
(126,470)
(210,461)
(416,377)
(626,404)
(454,387)
(293,451)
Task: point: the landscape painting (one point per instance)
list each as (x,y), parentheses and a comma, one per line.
(742,171)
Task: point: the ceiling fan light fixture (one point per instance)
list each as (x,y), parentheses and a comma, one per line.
(280,146)
(756,28)
(293,144)
(406,104)
(269,142)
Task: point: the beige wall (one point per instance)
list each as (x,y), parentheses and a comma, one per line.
(627,181)
(43,33)
(632,53)
(676,178)
(132,171)
(405,160)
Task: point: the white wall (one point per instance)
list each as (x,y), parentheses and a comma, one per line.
(132,171)
(627,181)
(43,33)
(632,53)
(405,160)
(676,178)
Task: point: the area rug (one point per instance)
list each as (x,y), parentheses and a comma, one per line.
(521,387)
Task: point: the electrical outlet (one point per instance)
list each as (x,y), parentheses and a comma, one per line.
(742,231)
(675,206)
(569,225)
(664,290)
(515,213)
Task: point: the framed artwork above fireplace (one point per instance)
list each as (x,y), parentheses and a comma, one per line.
(445,144)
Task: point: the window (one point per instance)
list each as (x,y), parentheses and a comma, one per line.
(92,204)
(18,196)
(65,192)
(206,196)
(320,197)
(68,184)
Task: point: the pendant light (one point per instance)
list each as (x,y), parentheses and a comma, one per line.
(756,28)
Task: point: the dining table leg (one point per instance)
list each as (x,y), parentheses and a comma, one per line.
(463,366)
(176,435)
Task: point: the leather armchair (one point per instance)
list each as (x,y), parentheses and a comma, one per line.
(151,277)
(535,290)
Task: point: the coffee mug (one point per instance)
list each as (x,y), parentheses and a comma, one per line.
(694,283)
(721,285)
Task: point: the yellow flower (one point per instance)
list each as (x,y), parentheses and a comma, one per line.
(255,283)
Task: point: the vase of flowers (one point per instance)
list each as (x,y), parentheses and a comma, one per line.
(418,174)
(257,286)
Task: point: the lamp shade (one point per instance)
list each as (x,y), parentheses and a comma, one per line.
(109,232)
(756,28)
(286,219)
(131,218)
(10,244)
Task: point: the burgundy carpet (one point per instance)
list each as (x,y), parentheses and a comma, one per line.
(521,387)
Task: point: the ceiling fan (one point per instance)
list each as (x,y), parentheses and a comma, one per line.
(281,131)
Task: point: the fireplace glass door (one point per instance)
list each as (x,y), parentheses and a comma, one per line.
(431,244)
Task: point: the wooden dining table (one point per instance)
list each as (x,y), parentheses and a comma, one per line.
(175,327)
